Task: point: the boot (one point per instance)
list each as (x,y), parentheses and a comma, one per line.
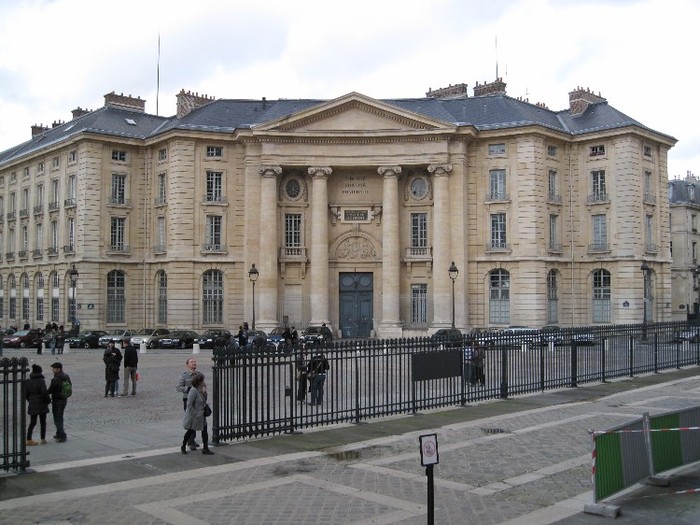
(31,443)
(183,448)
(206,451)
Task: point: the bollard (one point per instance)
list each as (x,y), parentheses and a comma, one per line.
(195,348)
(43,347)
(66,347)
(142,348)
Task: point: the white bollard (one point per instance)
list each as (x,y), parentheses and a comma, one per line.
(66,347)
(142,348)
(195,348)
(43,347)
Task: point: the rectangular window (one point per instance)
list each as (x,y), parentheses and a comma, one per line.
(600,232)
(53,248)
(648,192)
(13,202)
(215,151)
(119,155)
(213,299)
(25,308)
(598,190)
(554,232)
(553,186)
(162,154)
(694,252)
(26,173)
(39,308)
(213,233)
(162,298)
(71,190)
(214,186)
(25,238)
(55,195)
(117,234)
(694,223)
(419,304)
(601,297)
(552,151)
(649,231)
(56,163)
(598,150)
(25,200)
(498,230)
(72,156)
(647,151)
(497,185)
(55,309)
(292,231)
(40,167)
(39,198)
(118,189)
(39,237)
(162,188)
(160,241)
(497,149)
(71,234)
(419,230)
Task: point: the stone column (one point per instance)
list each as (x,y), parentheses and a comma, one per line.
(267,265)
(390,325)
(319,245)
(442,256)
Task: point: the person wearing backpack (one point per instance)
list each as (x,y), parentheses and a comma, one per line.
(61,388)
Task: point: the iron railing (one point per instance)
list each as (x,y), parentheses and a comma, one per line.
(254,393)
(14,420)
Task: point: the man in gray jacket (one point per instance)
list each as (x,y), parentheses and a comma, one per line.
(184,385)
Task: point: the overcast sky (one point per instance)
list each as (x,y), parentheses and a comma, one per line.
(57,55)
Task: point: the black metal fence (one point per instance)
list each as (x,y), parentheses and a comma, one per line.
(14,420)
(255,394)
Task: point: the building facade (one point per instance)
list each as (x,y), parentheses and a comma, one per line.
(352,211)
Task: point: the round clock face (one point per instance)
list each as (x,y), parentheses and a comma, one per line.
(293,189)
(419,188)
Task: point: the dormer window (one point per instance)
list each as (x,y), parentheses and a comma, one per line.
(597,150)
(215,151)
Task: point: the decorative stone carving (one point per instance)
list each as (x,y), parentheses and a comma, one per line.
(356,248)
(440,170)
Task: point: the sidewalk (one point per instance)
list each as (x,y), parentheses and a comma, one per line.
(520,461)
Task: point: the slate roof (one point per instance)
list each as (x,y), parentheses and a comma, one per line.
(490,112)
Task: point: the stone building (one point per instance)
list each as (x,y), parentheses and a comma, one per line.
(684,199)
(352,211)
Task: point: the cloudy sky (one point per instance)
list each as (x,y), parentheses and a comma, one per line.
(57,55)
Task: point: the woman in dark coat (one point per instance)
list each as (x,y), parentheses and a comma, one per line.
(38,400)
(195,418)
(112,359)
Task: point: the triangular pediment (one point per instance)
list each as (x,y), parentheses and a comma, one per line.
(353,113)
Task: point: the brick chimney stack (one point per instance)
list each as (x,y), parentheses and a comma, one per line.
(456,91)
(79,112)
(38,129)
(188,102)
(497,87)
(125,101)
(580,99)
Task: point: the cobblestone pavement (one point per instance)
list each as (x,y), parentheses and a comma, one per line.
(521,461)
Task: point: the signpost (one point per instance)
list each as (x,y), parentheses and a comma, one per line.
(428,458)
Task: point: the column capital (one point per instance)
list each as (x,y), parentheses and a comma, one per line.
(270,171)
(320,171)
(440,170)
(389,171)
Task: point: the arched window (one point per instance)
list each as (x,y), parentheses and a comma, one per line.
(116,297)
(601,296)
(39,279)
(499,297)
(25,297)
(162,293)
(552,298)
(212,297)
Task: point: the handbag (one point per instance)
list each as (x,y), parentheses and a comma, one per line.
(137,376)
(207,410)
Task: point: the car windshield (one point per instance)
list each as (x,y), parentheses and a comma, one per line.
(21,333)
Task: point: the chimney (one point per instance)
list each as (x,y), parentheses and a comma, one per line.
(79,112)
(456,91)
(57,123)
(580,99)
(497,87)
(188,102)
(38,129)
(125,101)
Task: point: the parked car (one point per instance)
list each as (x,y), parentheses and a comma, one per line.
(145,336)
(692,335)
(449,337)
(519,335)
(551,334)
(87,339)
(176,339)
(23,339)
(114,335)
(213,337)
(314,335)
(583,339)
(257,342)
(276,337)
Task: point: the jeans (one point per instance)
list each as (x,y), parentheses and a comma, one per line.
(129,374)
(57,409)
(317,388)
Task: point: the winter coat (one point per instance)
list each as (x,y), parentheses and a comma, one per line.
(36,394)
(131,357)
(194,415)
(112,358)
(56,387)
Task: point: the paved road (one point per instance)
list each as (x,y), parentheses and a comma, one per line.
(521,461)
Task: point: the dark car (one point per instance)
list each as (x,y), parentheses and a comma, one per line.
(177,339)
(551,334)
(213,337)
(257,342)
(316,335)
(692,335)
(23,339)
(276,338)
(449,337)
(87,339)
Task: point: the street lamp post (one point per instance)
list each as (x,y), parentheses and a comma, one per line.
(453,272)
(645,271)
(253,276)
(73,276)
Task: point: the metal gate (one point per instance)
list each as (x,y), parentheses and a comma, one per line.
(13,372)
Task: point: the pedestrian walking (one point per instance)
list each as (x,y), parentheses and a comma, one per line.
(112,358)
(317,375)
(131,363)
(469,371)
(302,367)
(183,386)
(242,337)
(61,388)
(196,413)
(60,339)
(38,399)
(478,357)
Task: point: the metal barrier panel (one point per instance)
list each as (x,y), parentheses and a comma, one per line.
(14,420)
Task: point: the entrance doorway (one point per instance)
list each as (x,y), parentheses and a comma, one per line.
(356,291)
